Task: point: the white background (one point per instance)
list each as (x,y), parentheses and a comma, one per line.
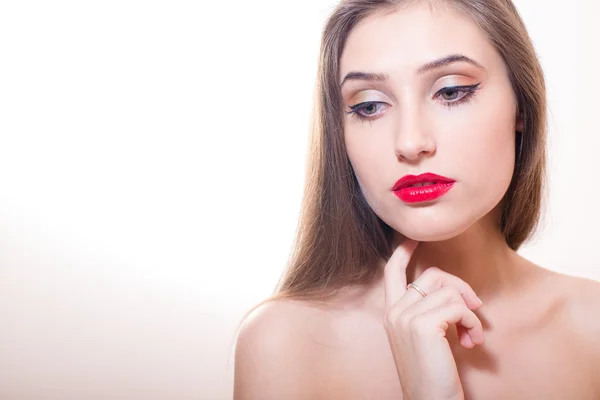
(151,167)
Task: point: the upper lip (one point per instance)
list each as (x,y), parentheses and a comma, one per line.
(408,180)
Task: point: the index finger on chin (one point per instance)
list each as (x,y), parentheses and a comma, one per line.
(395,272)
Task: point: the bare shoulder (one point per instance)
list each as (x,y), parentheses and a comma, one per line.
(583,316)
(580,299)
(584,307)
(276,353)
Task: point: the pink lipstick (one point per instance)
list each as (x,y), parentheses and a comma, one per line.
(420,188)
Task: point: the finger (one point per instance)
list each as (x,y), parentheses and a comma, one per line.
(446,295)
(395,272)
(459,314)
(464,338)
(437,299)
(439,320)
(434,279)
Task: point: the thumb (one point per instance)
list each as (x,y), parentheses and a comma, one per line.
(395,272)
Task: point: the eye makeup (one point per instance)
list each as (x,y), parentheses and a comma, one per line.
(366,109)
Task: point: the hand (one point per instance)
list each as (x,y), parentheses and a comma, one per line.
(416,327)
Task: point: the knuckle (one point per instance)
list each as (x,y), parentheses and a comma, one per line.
(391,317)
(420,324)
(446,294)
(456,308)
(406,320)
(397,320)
(454,295)
(388,319)
(431,272)
(463,310)
(462,284)
(430,275)
(459,307)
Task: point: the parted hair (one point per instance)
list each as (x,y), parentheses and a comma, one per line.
(339,238)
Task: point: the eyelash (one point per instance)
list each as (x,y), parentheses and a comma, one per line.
(469,91)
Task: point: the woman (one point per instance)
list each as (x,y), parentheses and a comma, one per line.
(427,167)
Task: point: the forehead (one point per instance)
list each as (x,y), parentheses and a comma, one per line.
(405,39)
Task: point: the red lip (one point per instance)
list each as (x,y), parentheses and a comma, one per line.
(409,194)
(408,180)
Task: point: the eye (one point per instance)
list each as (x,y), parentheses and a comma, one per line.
(366,110)
(455,95)
(370,109)
(450,94)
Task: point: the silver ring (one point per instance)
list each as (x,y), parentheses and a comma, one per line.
(418,289)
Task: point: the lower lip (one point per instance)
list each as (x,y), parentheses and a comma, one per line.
(423,193)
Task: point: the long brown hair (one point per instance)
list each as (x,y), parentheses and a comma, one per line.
(339,237)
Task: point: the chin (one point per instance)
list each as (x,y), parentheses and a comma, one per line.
(430,234)
(432,228)
(435,225)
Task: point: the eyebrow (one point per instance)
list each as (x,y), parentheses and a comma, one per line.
(454,58)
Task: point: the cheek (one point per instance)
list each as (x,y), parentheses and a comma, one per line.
(487,149)
(374,165)
(474,145)
(497,163)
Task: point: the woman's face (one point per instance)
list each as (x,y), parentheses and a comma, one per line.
(414,122)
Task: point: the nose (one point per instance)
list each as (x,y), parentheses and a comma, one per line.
(413,137)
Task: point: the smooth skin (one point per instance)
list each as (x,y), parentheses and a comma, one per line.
(536,334)
(416,326)
(539,344)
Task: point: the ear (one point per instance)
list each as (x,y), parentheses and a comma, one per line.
(519,124)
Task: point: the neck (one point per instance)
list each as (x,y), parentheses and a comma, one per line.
(480,256)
